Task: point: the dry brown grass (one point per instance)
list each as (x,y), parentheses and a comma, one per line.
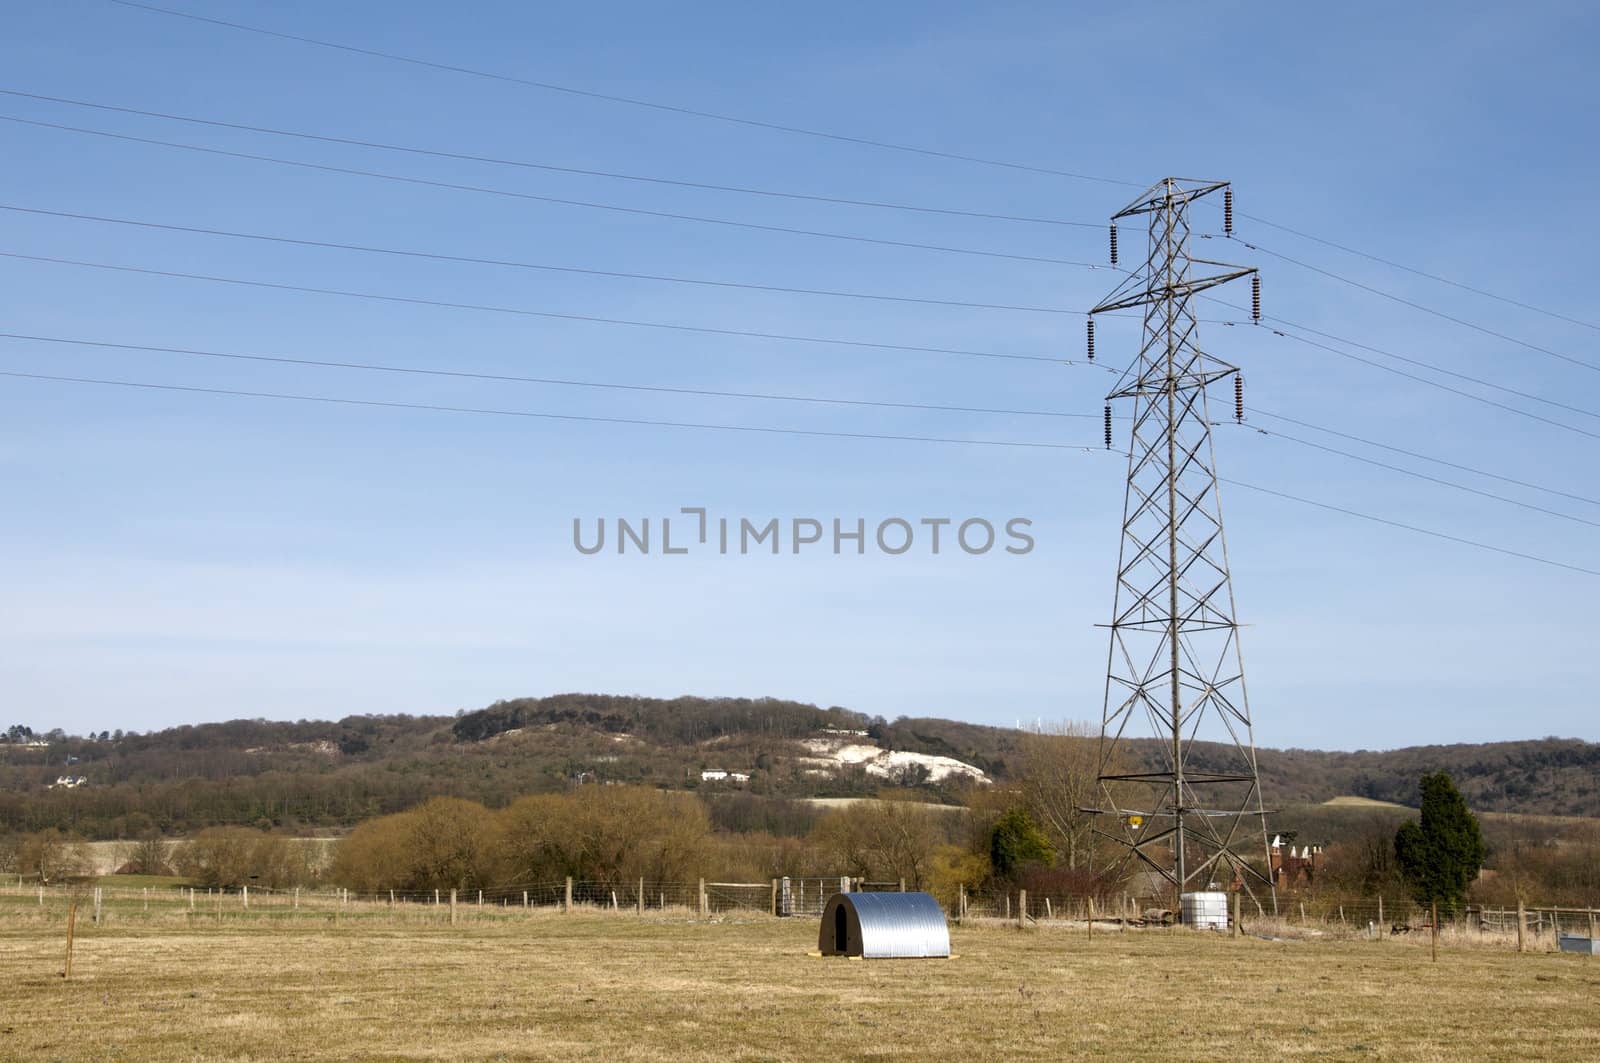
(613,986)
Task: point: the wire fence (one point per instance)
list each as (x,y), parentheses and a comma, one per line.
(1529,927)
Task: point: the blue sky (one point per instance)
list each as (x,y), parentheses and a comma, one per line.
(173,557)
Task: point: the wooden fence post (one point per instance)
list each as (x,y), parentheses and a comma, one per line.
(1434,941)
(774,896)
(1234,929)
(1522,926)
(145,892)
(902,885)
(480,898)
(244,897)
(567,904)
(961,902)
(1380,914)
(1090,932)
(97,906)
(1022,909)
(72,919)
(191,898)
(1008,906)
(705,905)
(452,907)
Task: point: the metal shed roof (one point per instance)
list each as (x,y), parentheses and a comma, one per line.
(883,926)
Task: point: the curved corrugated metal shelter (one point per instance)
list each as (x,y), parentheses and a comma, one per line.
(883,926)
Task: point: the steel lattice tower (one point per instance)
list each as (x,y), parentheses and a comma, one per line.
(1175,670)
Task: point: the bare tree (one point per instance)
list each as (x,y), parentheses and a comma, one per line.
(1060,766)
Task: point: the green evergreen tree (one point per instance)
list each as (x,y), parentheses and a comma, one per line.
(1016,842)
(1440,856)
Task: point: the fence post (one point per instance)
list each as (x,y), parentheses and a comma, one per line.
(145,892)
(774,896)
(1302,913)
(1234,929)
(902,885)
(1008,906)
(97,906)
(480,898)
(1435,938)
(566,905)
(1090,932)
(1522,926)
(524,898)
(41,896)
(244,897)
(1022,909)
(1591,928)
(191,898)
(72,918)
(844,884)
(961,902)
(704,901)
(1380,913)
(452,907)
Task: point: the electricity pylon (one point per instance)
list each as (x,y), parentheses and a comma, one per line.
(1175,671)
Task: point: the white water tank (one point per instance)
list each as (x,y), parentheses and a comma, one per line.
(1205,911)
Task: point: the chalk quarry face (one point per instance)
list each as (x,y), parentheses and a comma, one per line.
(830,753)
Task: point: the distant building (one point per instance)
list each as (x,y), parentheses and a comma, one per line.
(69,782)
(718,775)
(1296,866)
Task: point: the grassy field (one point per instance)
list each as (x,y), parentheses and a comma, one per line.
(552,986)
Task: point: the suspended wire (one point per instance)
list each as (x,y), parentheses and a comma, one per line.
(699,219)
(628,100)
(435,408)
(1426,309)
(330,400)
(1431,366)
(1426,457)
(542,267)
(527,165)
(1285,334)
(465,375)
(1424,476)
(521,312)
(1423,273)
(1412,528)
(825,135)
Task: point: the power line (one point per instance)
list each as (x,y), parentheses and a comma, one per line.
(542,166)
(1424,476)
(1420,363)
(1426,457)
(1414,528)
(560,201)
(628,100)
(822,134)
(330,400)
(1422,273)
(543,267)
(419,371)
(461,374)
(433,408)
(1284,334)
(1442,387)
(1426,309)
(522,312)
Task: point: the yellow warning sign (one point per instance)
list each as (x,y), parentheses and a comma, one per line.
(1135,821)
